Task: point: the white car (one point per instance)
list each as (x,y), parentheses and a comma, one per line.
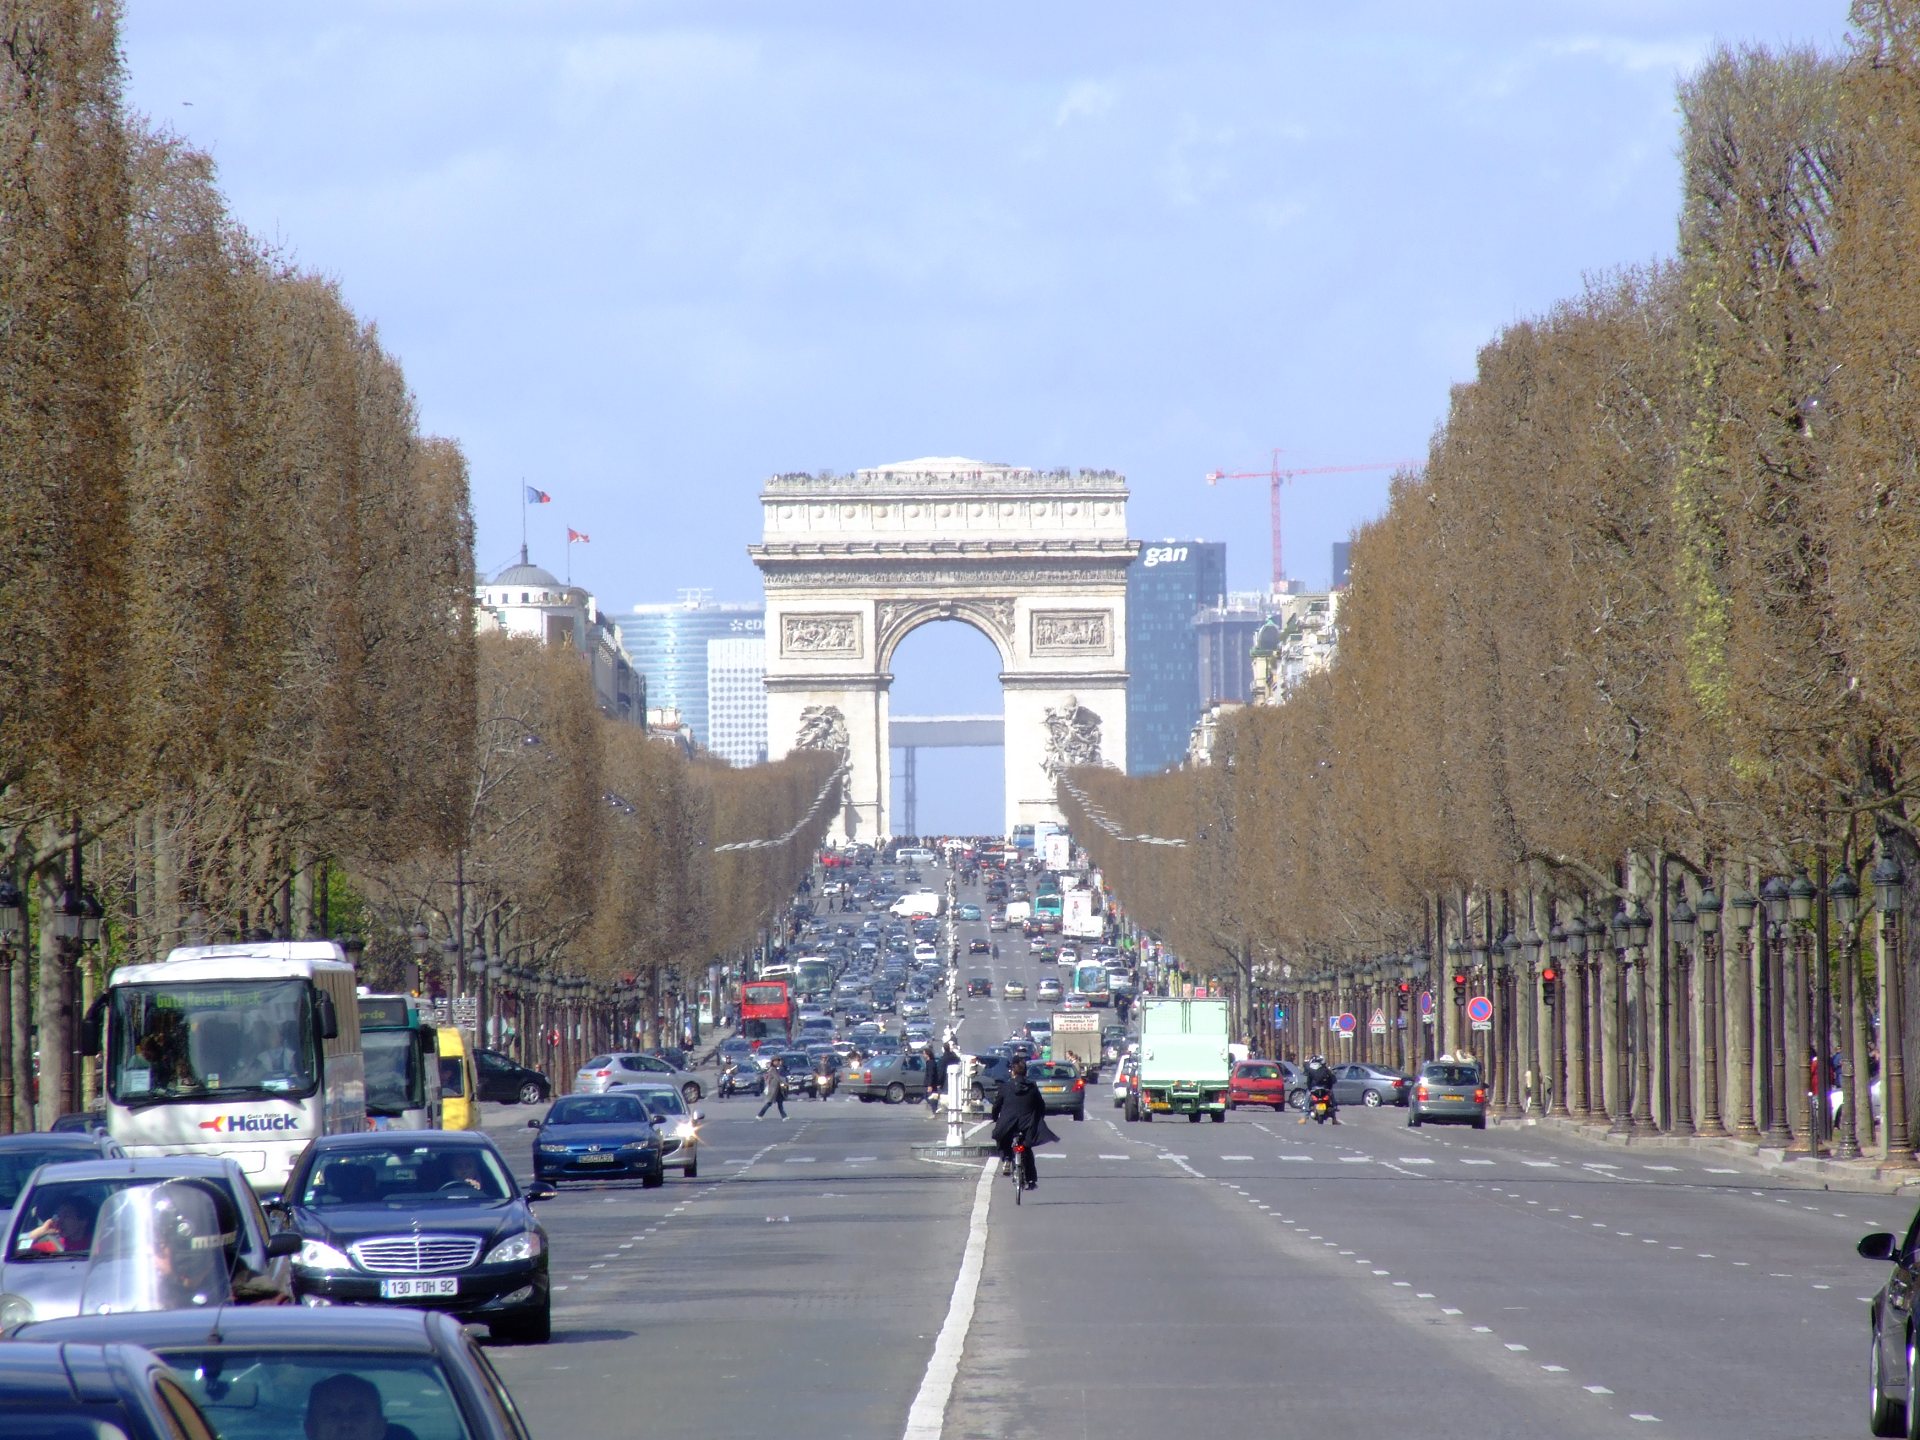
(1048,989)
(925,951)
(1123,1080)
(1014,990)
(677,1122)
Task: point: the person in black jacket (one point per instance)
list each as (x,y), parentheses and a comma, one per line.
(1020,1114)
(1320,1077)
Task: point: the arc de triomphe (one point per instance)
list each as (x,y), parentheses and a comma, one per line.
(1034,560)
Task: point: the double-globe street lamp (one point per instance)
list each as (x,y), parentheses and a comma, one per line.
(13,934)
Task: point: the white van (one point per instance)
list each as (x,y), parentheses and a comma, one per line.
(918,902)
(914,855)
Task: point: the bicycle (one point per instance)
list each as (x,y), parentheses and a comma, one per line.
(1019,1171)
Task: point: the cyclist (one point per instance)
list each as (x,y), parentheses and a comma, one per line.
(1020,1114)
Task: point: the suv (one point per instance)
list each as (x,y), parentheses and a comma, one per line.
(1449,1090)
(980,985)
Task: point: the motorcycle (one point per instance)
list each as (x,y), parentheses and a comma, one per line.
(1320,1105)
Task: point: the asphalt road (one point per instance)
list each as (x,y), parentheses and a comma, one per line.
(1256,1277)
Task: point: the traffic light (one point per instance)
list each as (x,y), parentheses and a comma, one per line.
(1406,991)
(1459,989)
(1550,984)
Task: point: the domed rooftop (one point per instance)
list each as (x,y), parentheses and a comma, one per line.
(524,572)
(1268,637)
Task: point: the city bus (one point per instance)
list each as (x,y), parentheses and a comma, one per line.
(402,1061)
(1091,980)
(812,978)
(247,1051)
(1047,910)
(766,1010)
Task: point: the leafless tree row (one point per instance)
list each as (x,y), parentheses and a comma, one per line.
(1647,623)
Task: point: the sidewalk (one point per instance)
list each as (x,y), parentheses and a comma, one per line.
(1866,1173)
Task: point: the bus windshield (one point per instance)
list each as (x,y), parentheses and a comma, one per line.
(396,1081)
(812,977)
(211,1039)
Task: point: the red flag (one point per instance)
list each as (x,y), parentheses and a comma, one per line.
(574,537)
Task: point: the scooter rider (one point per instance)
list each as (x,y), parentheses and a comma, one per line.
(1320,1080)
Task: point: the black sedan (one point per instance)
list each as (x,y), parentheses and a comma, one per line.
(598,1137)
(259,1371)
(505,1081)
(115,1389)
(1891,1363)
(430,1219)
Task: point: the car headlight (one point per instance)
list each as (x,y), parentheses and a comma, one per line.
(553,1149)
(524,1246)
(318,1255)
(684,1129)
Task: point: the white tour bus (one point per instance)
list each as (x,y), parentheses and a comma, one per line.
(247,1051)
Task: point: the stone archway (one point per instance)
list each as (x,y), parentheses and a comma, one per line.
(1034,560)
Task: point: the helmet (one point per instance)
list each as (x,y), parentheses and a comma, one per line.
(1317,1061)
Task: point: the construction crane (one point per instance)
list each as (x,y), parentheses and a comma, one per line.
(1275,477)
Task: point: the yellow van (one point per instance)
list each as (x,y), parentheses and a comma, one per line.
(459,1082)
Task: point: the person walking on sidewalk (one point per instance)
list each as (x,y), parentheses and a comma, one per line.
(776,1089)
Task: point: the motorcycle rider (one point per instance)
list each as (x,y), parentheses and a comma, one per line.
(1320,1081)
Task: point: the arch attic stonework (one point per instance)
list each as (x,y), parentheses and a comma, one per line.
(1035,560)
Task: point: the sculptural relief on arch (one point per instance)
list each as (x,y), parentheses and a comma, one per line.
(1034,560)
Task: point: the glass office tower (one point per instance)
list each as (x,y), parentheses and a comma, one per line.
(668,644)
(1167,585)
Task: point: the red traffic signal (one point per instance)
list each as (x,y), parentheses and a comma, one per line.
(1549,975)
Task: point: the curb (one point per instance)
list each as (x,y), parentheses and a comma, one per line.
(1865,1173)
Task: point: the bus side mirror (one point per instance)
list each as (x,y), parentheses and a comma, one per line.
(91,1024)
(325,1018)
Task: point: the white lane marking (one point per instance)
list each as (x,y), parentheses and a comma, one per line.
(1598,1165)
(1512,1346)
(1181,1161)
(926,1417)
(1307,1158)
(1449,1310)
(1465,1161)
(1416,1160)
(1554,1369)
(1597,1390)
(1483,1329)
(861,1159)
(800,1159)
(1236,1157)
(1356,1159)
(1667,1168)
(1541,1164)
(1715,1170)
(1645,1419)
(1114,1157)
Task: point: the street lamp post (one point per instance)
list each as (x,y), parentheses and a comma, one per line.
(13,934)
(1500,961)
(1774,900)
(1712,986)
(1530,944)
(1640,924)
(419,942)
(1680,925)
(1890,893)
(1622,927)
(1451,1040)
(1574,1003)
(1806,904)
(1559,946)
(1843,903)
(1752,1007)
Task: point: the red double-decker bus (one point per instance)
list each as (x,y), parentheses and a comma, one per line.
(766,1009)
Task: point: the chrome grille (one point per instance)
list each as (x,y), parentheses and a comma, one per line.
(415,1254)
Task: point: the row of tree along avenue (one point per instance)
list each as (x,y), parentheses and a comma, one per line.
(1621,735)
(240,689)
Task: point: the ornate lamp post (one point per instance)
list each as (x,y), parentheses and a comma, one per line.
(1746,1040)
(1622,928)
(1774,899)
(1639,925)
(419,942)
(1500,956)
(13,935)
(1528,1017)
(1712,1048)
(1843,903)
(1574,1003)
(1890,894)
(1558,948)
(1680,925)
(1805,1116)
(1457,959)
(1417,1028)
(1479,972)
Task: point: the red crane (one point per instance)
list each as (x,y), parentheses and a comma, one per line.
(1275,477)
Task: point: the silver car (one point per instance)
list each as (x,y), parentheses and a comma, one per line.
(1449,1090)
(630,1067)
(678,1124)
(46,1247)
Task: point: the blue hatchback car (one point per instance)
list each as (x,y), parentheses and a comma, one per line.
(598,1137)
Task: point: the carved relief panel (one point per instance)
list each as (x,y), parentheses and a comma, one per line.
(820,635)
(1072,632)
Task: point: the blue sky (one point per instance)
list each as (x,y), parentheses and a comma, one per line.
(644,255)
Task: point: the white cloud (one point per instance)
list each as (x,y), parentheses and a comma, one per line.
(1676,55)
(1086,100)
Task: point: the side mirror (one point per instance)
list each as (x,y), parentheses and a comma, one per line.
(699,1116)
(284,1242)
(540,1190)
(534,1124)
(325,1018)
(1878,1246)
(91,1024)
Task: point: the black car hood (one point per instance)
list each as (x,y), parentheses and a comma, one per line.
(345,1225)
(621,1133)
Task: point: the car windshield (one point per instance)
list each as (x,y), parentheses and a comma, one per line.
(664,1099)
(17,1165)
(265,1395)
(1451,1074)
(56,1220)
(211,1039)
(597,1110)
(404,1176)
